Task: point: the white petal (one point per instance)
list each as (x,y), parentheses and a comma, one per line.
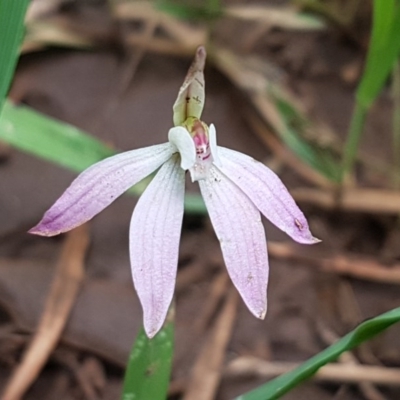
(213,145)
(267,192)
(99,185)
(182,140)
(154,243)
(238,226)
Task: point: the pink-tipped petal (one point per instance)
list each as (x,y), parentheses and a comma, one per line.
(237,223)
(98,186)
(267,192)
(154,243)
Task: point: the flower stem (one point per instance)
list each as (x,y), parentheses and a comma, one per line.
(396,125)
(353,138)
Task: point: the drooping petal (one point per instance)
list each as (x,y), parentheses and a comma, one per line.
(267,192)
(154,242)
(98,186)
(184,143)
(191,96)
(237,223)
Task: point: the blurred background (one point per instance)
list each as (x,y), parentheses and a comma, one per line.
(285,83)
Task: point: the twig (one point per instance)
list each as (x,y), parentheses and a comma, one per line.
(183,33)
(352,199)
(286,18)
(193,273)
(68,277)
(251,366)
(364,269)
(129,69)
(207,370)
(255,84)
(281,150)
(88,374)
(217,292)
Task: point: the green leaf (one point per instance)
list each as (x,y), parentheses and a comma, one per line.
(284,383)
(12,13)
(64,145)
(383,50)
(149,366)
(50,139)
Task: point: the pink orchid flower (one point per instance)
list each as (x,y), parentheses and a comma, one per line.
(235,189)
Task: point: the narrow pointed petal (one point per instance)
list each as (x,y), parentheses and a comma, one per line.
(267,192)
(154,243)
(237,223)
(98,186)
(181,139)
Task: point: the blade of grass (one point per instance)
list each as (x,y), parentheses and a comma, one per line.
(284,383)
(382,54)
(12,13)
(383,50)
(50,139)
(396,125)
(64,145)
(149,366)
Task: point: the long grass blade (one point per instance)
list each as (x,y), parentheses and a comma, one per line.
(12,13)
(284,383)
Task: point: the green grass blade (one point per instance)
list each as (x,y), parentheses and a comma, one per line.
(149,366)
(383,50)
(64,145)
(50,139)
(12,13)
(284,383)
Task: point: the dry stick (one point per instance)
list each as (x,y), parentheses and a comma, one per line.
(267,112)
(353,199)
(281,150)
(217,292)
(367,269)
(207,371)
(185,34)
(191,274)
(128,72)
(64,289)
(250,366)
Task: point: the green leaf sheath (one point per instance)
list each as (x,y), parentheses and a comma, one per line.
(276,388)
(12,14)
(149,366)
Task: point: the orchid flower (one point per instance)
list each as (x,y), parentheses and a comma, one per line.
(235,189)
